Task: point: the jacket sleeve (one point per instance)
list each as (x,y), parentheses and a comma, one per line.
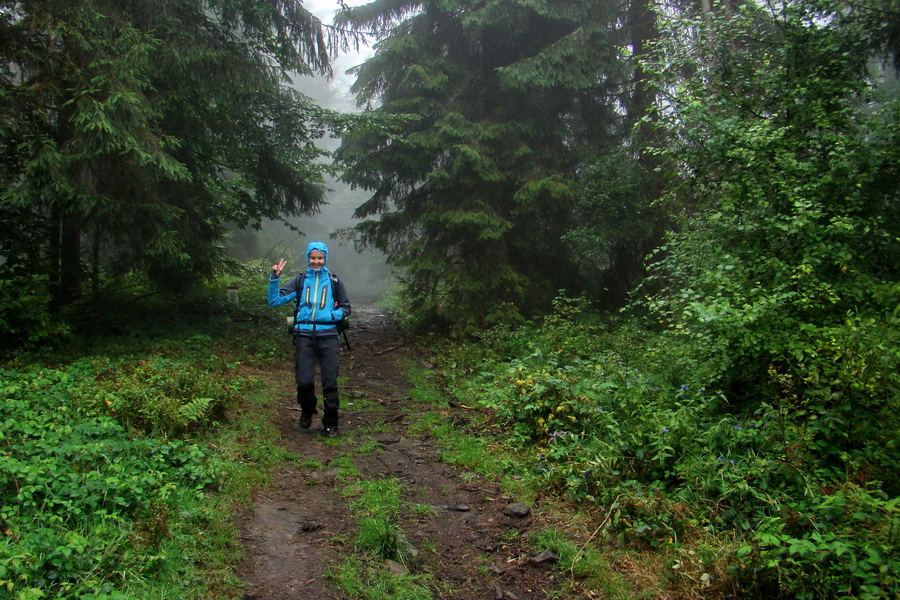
(281,295)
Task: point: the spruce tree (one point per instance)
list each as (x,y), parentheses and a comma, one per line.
(133,131)
(512,101)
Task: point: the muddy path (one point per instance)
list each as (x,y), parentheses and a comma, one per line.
(302,526)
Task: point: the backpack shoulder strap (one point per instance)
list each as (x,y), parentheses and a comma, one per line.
(301,281)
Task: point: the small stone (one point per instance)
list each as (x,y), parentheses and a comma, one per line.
(453,507)
(327,476)
(517,509)
(394,567)
(410,550)
(545,557)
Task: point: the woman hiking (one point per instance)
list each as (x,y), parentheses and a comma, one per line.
(320,303)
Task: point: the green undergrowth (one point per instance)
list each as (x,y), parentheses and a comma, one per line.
(366,573)
(124,455)
(360,579)
(379,562)
(470,443)
(696,488)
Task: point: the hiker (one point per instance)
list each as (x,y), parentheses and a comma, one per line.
(320,303)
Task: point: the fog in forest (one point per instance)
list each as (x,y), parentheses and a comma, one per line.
(365,275)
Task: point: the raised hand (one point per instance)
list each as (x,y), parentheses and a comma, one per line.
(278,267)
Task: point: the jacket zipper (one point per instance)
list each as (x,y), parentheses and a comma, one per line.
(315,299)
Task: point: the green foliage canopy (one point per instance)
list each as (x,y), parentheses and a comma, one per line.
(765,393)
(130,133)
(782,282)
(514,100)
(785,142)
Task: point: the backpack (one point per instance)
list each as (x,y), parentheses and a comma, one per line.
(344,324)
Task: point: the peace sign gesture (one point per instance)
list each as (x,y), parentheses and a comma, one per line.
(278,267)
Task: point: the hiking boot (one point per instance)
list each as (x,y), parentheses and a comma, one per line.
(330,432)
(305,420)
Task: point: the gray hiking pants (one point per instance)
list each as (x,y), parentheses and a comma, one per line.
(323,350)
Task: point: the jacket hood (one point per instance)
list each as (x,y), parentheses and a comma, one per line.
(320,246)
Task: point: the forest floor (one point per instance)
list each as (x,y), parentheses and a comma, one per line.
(302,526)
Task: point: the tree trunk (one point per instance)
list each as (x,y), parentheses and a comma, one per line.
(70,275)
(95,263)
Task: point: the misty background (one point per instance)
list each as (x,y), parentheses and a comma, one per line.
(365,274)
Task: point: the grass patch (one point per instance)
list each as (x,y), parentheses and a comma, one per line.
(344,468)
(368,447)
(582,562)
(313,464)
(374,428)
(367,574)
(424,391)
(377,496)
(363,579)
(249,449)
(381,537)
(459,448)
(366,403)
(425,423)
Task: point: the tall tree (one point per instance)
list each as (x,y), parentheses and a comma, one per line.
(134,130)
(514,100)
(782,282)
(785,272)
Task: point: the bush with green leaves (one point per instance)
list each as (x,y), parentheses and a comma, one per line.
(81,498)
(159,393)
(783,274)
(622,418)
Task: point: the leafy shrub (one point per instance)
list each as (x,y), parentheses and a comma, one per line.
(25,315)
(74,486)
(177,389)
(792,499)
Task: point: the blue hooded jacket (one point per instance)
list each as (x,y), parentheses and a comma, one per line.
(320,297)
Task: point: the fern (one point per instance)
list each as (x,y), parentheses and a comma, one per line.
(195,411)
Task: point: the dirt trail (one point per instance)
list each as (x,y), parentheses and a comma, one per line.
(301,525)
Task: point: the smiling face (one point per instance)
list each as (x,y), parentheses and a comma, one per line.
(316,260)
